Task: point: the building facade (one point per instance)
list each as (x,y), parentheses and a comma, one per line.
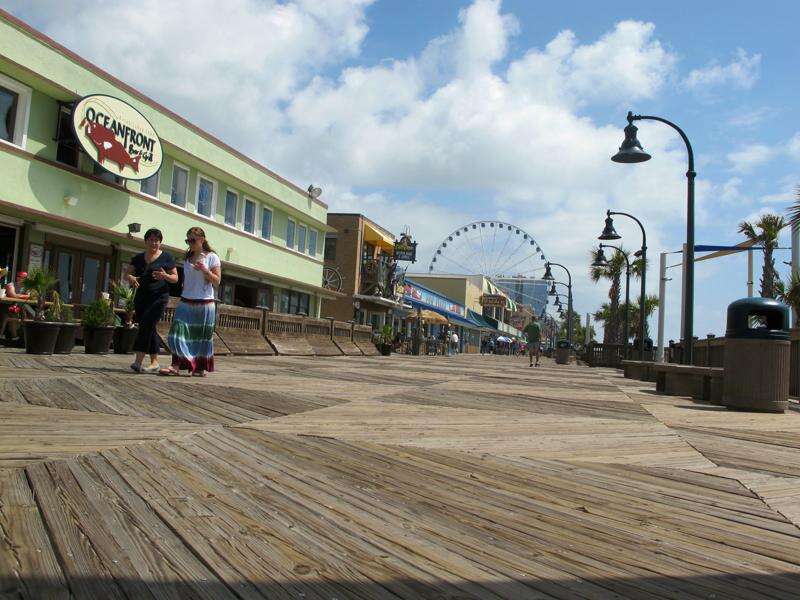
(61,210)
(362,254)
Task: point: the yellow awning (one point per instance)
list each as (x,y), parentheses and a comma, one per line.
(375,236)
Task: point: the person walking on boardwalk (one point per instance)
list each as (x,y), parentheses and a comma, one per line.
(150,273)
(190,336)
(533,335)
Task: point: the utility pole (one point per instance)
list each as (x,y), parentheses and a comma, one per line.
(750,269)
(662,300)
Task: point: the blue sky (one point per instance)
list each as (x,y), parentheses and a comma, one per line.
(434,114)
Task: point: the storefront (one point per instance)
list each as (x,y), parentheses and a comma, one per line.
(418,296)
(89,164)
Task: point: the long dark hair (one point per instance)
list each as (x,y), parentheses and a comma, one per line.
(197,232)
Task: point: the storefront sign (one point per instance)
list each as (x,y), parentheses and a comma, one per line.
(35,257)
(405,249)
(493,300)
(413,292)
(117,137)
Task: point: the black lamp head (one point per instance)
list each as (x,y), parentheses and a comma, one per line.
(552,291)
(609,233)
(548,274)
(600,259)
(631,150)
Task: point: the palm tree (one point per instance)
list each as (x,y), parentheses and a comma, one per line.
(650,305)
(766,231)
(613,271)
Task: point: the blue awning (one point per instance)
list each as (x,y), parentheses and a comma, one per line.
(480,320)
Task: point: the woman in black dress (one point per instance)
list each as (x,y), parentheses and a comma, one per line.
(150,272)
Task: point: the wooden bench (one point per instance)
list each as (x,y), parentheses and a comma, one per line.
(320,337)
(343,338)
(285,334)
(701,383)
(362,337)
(639,369)
(240,330)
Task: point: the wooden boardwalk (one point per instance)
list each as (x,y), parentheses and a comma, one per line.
(401,477)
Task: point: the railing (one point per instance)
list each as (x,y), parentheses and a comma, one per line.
(318,327)
(281,325)
(237,317)
(709,352)
(605,355)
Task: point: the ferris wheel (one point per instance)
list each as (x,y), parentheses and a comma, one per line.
(495,249)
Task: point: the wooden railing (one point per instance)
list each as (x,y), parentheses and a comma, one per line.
(709,352)
(605,355)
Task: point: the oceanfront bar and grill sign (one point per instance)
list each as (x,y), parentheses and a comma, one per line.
(493,300)
(117,137)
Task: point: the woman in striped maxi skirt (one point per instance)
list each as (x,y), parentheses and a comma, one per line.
(192,330)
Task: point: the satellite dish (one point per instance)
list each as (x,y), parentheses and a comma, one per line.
(314,192)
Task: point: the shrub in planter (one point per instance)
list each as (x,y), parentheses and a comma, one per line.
(124,334)
(98,327)
(40,333)
(384,340)
(61,313)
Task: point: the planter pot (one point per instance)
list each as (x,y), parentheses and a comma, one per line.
(124,337)
(97,340)
(385,349)
(40,336)
(66,338)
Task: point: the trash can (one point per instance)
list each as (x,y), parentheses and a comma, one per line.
(562,352)
(757,356)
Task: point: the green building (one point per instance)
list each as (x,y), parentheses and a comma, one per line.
(59,209)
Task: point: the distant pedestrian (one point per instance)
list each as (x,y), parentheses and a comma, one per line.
(17,292)
(533,335)
(150,273)
(191,335)
(454,342)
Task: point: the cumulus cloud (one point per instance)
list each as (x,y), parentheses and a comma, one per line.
(742,72)
(748,157)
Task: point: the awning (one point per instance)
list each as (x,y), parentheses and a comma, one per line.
(451,317)
(378,237)
(430,316)
(479,320)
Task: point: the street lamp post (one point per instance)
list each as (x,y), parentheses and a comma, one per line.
(609,233)
(600,261)
(631,152)
(548,276)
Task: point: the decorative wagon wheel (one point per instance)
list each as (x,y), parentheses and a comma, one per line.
(332,279)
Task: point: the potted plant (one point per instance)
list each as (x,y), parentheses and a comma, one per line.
(98,326)
(124,334)
(40,333)
(384,340)
(62,314)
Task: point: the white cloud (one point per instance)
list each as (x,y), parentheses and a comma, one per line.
(748,157)
(742,72)
(793,146)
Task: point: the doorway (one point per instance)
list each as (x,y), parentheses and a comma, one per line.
(82,276)
(8,252)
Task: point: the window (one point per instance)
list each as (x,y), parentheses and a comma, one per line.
(231,203)
(180,183)
(301,237)
(108,176)
(249,216)
(312,242)
(67,150)
(266,223)
(149,186)
(330,246)
(294,303)
(290,234)
(206,191)
(15,101)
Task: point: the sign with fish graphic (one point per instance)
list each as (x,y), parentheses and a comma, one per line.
(117,136)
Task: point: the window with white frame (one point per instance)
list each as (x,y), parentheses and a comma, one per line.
(231,207)
(180,184)
(301,238)
(149,186)
(312,242)
(290,234)
(266,223)
(206,192)
(249,220)
(15,102)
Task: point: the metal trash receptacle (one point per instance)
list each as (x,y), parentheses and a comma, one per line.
(562,352)
(757,356)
